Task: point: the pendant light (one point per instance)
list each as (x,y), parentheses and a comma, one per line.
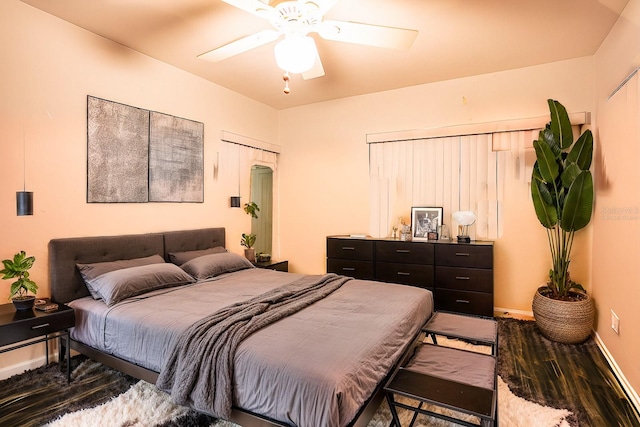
(24,198)
(235,200)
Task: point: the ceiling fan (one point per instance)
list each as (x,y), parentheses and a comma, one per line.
(295,19)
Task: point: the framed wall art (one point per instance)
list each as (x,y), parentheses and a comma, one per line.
(425,222)
(139,156)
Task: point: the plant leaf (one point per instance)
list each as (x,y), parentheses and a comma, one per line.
(578,203)
(560,124)
(546,213)
(547,164)
(570,174)
(581,153)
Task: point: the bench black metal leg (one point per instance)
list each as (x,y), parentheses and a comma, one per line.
(395,420)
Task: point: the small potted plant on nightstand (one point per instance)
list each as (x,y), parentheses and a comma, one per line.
(18,268)
(248,240)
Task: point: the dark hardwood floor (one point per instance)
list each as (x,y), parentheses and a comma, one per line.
(574,377)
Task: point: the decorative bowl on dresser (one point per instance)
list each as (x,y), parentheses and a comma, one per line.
(459,274)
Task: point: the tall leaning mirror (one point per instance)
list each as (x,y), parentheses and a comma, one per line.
(262,195)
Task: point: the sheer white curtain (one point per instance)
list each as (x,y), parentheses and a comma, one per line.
(465,172)
(235,162)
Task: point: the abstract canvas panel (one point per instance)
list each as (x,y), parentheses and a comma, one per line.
(176,161)
(137,156)
(118,152)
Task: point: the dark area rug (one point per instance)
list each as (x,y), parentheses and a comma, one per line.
(576,377)
(41,395)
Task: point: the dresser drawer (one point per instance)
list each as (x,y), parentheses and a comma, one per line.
(456,255)
(478,303)
(405,252)
(350,249)
(352,268)
(466,279)
(406,274)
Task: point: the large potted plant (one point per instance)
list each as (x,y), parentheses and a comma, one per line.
(562,193)
(18,268)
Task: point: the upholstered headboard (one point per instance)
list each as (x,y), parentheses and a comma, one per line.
(65,280)
(192,240)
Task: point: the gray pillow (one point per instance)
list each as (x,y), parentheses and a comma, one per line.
(116,285)
(180,258)
(208,266)
(93,270)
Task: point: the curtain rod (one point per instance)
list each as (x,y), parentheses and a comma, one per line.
(624,82)
(234,138)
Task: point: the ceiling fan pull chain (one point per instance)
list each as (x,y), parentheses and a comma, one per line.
(285,77)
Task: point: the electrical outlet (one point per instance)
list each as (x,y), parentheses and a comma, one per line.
(615,322)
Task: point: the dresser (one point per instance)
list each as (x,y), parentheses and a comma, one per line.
(460,275)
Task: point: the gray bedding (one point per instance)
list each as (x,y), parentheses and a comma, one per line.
(314,368)
(199,370)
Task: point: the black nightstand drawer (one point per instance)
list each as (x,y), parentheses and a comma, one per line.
(407,274)
(405,252)
(16,326)
(457,255)
(467,279)
(350,249)
(352,268)
(478,303)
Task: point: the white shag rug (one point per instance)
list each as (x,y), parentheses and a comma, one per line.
(143,405)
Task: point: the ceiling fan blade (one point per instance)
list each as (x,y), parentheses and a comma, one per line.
(241,45)
(255,7)
(316,71)
(367,34)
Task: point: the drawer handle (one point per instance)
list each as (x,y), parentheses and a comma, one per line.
(348,269)
(462,254)
(44,325)
(462,301)
(462,278)
(348,248)
(402,273)
(403,251)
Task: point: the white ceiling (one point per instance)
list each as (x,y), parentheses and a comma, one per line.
(457,38)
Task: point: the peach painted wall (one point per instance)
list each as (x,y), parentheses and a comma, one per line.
(325,177)
(616,224)
(48,69)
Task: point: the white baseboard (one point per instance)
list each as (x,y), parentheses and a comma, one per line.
(19,368)
(631,393)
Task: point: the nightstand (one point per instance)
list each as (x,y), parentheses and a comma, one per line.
(35,326)
(273,265)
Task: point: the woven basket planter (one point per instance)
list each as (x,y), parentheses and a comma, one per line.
(568,322)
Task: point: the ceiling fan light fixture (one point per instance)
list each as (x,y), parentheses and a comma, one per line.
(296,54)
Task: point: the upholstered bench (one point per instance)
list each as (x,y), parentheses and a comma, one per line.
(460,380)
(474,329)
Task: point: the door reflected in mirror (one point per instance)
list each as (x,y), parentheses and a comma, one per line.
(262,195)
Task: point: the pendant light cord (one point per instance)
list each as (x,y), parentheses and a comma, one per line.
(24,161)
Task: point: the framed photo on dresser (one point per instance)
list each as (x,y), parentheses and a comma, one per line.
(425,222)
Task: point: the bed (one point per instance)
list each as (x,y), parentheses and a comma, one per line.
(323,365)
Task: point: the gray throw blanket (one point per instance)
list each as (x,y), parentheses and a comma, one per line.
(199,370)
